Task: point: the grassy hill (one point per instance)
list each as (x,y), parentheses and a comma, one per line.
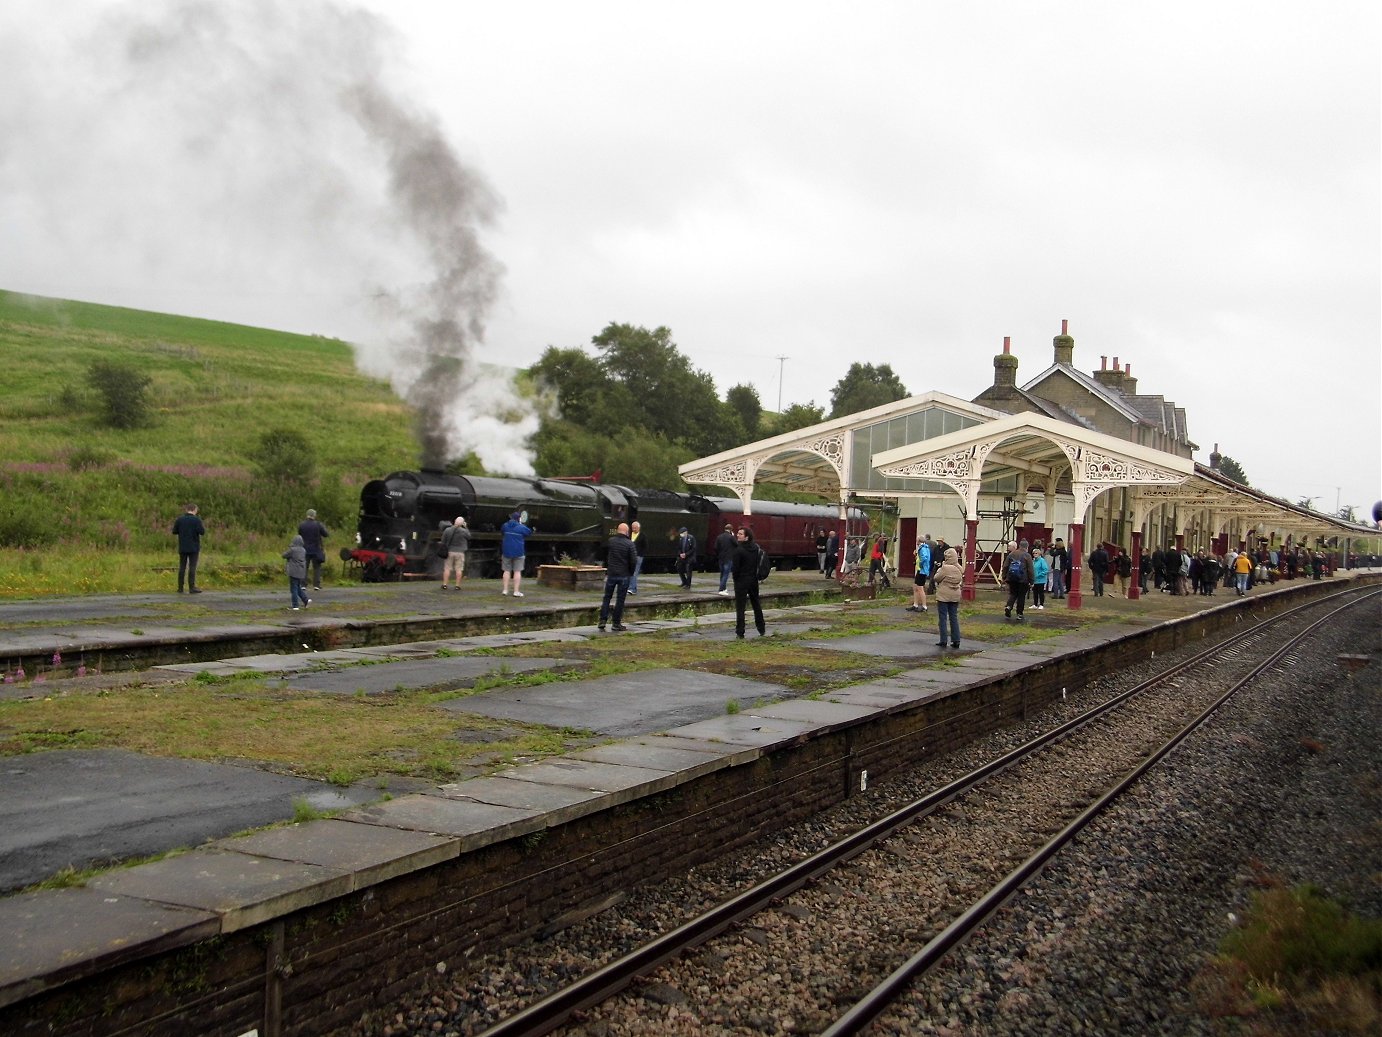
(86,508)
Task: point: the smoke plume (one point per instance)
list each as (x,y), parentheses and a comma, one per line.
(260,162)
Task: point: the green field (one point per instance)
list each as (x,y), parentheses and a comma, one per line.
(86,507)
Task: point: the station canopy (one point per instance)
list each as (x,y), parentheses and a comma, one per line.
(938,445)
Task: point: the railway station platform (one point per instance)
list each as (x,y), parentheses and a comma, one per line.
(408,876)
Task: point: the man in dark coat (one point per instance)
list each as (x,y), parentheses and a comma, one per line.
(832,554)
(1060,567)
(313,533)
(621,559)
(1019,573)
(189,530)
(746,556)
(1098,567)
(686,556)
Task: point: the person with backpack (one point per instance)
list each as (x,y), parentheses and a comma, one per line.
(749,562)
(923,575)
(1018,571)
(1123,566)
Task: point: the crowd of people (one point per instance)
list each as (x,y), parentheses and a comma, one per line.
(1034,569)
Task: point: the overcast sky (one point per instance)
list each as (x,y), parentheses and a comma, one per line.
(1195,186)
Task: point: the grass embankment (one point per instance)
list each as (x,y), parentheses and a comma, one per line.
(86,508)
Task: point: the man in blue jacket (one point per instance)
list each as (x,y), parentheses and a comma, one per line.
(513,551)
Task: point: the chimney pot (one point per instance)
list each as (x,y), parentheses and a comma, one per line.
(1007,343)
(1065,327)
(1115,363)
(1103,363)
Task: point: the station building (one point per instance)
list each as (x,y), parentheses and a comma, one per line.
(1084,457)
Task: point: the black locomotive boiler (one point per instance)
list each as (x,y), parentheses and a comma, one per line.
(403,514)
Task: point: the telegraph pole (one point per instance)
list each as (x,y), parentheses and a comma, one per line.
(780,362)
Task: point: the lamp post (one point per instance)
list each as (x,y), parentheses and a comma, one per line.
(781,361)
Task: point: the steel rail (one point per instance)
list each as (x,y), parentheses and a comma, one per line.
(547,1013)
(874,1003)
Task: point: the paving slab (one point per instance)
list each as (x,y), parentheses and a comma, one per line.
(474,823)
(725,753)
(886,644)
(878,697)
(455,672)
(950,677)
(621,781)
(991,663)
(76,807)
(56,935)
(367,853)
(739,729)
(403,651)
(241,889)
(824,715)
(646,752)
(503,791)
(620,705)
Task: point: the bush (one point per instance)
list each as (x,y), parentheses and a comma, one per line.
(284,456)
(25,528)
(123,390)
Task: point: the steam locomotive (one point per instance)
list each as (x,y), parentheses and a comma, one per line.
(403,514)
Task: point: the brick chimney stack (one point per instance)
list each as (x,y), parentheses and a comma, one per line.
(1065,345)
(1005,367)
(1109,377)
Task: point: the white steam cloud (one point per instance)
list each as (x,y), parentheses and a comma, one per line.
(263,155)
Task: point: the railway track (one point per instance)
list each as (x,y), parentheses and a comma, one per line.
(964,849)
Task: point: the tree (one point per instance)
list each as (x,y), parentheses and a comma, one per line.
(1231,469)
(1308,503)
(743,399)
(1348,513)
(584,392)
(865,386)
(122,388)
(666,394)
(798,415)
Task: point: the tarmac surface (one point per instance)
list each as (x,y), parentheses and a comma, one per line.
(86,808)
